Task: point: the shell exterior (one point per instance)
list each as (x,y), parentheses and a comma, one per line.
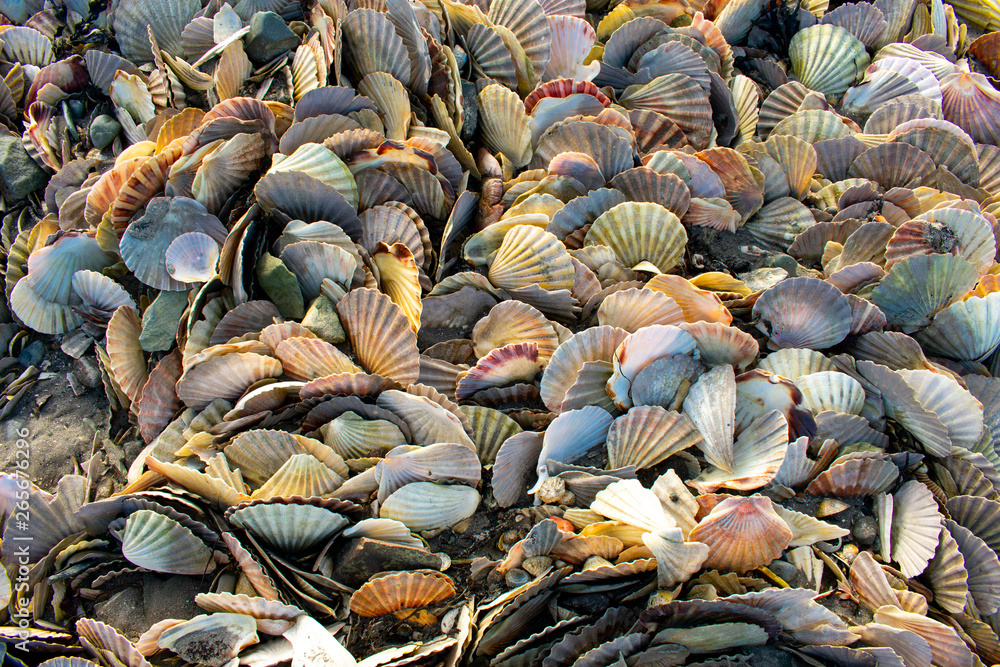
(742,534)
(863,475)
(381,336)
(290,527)
(158,543)
(827,58)
(647,435)
(426,505)
(391,592)
(803,312)
(440,462)
(640,232)
(830,390)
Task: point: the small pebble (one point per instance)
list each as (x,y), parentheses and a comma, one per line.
(32,354)
(103,131)
(537,564)
(86,371)
(517,577)
(864,530)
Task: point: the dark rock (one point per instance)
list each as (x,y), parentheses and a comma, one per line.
(19,174)
(365,557)
(783,261)
(268,38)
(32,354)
(86,371)
(103,131)
(864,530)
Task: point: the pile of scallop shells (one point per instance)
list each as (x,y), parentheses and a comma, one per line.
(515,333)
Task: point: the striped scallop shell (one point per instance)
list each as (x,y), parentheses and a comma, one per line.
(793,363)
(292,527)
(593,344)
(128,364)
(158,543)
(720,344)
(440,462)
(854,477)
(529,255)
(380,334)
(394,591)
(639,233)
(227,376)
(827,58)
(831,390)
(966,330)
(428,506)
(647,435)
(742,534)
(803,312)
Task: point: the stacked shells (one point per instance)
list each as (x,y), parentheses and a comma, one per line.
(518,332)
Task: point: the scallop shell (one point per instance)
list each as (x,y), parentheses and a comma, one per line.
(322,164)
(676,560)
(757,455)
(969,101)
(210,638)
(827,58)
(793,363)
(813,125)
(743,183)
(295,196)
(957,409)
(371,321)
(440,462)
(428,506)
(289,526)
(395,591)
(720,344)
(594,344)
(102,640)
(192,257)
(158,543)
(966,330)
(517,361)
(947,648)
(787,321)
(610,150)
(272,617)
(863,475)
(916,288)
(301,475)
(647,435)
(529,255)
(698,305)
(978,515)
(916,527)
(127,361)
(645,185)
(679,98)
(512,322)
(830,390)
(637,351)
(711,405)
(981,565)
(629,502)
(639,233)
(797,159)
(893,165)
(742,534)
(227,376)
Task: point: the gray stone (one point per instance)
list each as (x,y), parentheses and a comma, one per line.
(322,320)
(19,174)
(103,131)
(281,286)
(159,322)
(783,261)
(86,372)
(268,38)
